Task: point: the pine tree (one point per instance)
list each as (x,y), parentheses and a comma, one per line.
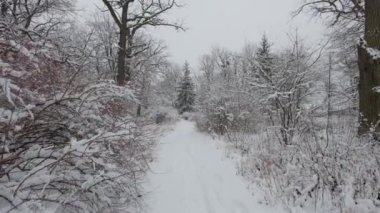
(264,55)
(186,96)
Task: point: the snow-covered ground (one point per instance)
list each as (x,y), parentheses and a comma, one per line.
(192,176)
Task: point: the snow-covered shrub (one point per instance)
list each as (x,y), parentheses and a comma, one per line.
(192,116)
(164,115)
(222,96)
(201,122)
(220,120)
(311,173)
(67,141)
(217,118)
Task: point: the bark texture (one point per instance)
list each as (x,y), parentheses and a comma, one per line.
(121,74)
(369,99)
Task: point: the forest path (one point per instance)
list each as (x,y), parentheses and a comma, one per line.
(190,176)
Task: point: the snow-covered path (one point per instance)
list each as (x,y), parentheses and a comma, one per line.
(191,176)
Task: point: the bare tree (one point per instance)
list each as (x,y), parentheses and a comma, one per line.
(133,16)
(105,46)
(208,66)
(340,11)
(149,58)
(34,17)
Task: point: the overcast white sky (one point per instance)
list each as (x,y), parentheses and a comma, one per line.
(231,24)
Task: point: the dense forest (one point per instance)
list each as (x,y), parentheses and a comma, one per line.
(84,104)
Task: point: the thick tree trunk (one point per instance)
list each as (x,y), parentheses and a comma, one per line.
(372,23)
(121,57)
(122,76)
(369,99)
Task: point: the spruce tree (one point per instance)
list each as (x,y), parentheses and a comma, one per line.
(264,55)
(186,96)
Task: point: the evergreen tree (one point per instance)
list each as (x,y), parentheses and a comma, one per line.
(264,55)
(186,96)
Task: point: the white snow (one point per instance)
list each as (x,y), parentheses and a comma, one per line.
(192,176)
(374,53)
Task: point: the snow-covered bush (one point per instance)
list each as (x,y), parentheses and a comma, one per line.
(163,115)
(73,154)
(222,94)
(341,175)
(201,122)
(67,141)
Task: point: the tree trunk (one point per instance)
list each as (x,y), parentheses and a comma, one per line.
(372,23)
(139,110)
(123,39)
(369,99)
(129,56)
(121,58)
